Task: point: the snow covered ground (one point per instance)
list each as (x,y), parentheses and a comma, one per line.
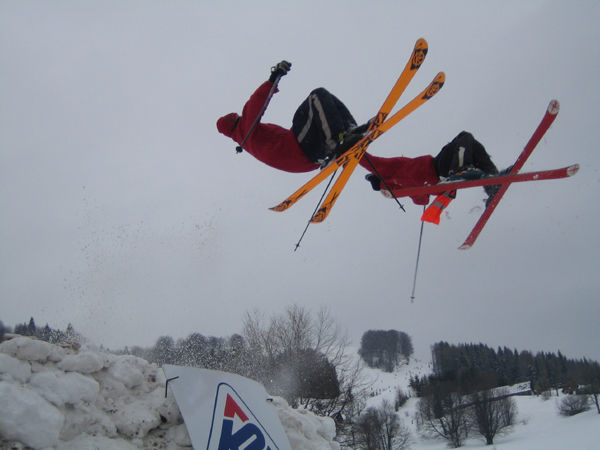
(55,397)
(539,426)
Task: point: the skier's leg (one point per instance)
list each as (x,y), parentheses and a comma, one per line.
(443,161)
(482,159)
(309,135)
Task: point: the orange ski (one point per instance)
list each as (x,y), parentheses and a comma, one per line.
(415,61)
(362,145)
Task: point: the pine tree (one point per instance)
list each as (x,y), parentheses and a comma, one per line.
(31,328)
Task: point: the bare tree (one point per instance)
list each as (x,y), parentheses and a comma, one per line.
(381,429)
(395,434)
(595,394)
(493,412)
(294,330)
(258,334)
(591,379)
(329,338)
(349,405)
(573,404)
(284,341)
(366,430)
(443,414)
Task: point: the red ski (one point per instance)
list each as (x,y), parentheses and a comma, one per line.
(549,116)
(487,181)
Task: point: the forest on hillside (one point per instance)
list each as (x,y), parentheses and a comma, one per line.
(470,367)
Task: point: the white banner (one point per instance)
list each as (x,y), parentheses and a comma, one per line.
(224,411)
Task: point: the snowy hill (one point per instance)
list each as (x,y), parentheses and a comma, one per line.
(538,425)
(57,397)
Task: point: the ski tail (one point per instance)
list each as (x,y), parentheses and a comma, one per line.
(306,188)
(412,66)
(335,191)
(355,154)
(549,116)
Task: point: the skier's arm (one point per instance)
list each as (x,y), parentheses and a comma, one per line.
(254,105)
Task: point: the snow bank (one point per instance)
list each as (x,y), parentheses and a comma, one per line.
(304,430)
(25,416)
(69,398)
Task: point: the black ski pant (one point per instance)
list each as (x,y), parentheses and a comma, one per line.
(464,150)
(318,122)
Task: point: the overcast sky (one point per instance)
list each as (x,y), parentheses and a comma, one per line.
(125,213)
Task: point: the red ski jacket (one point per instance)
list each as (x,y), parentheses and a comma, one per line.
(272,144)
(402,172)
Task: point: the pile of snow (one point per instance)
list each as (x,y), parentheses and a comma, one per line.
(86,398)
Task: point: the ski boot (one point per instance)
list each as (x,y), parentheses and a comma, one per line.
(493,189)
(466,173)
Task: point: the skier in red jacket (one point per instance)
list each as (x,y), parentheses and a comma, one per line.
(319,130)
(323,128)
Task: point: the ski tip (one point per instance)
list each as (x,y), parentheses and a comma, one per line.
(421,44)
(434,87)
(572,170)
(553,107)
(418,55)
(465,247)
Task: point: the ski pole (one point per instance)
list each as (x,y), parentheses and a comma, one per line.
(239,148)
(387,186)
(316,208)
(414,287)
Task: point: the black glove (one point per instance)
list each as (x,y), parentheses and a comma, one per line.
(374,180)
(279,70)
